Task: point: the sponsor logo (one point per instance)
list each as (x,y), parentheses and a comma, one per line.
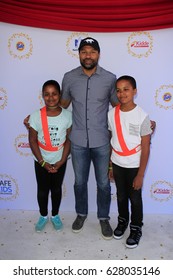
(140,44)
(8,187)
(20,45)
(162,191)
(3,98)
(22,145)
(73,43)
(167,96)
(163,97)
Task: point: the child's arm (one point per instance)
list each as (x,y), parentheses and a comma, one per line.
(26,122)
(33,142)
(153,126)
(110,170)
(145,151)
(66,151)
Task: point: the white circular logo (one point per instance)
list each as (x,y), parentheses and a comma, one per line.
(73,43)
(8,187)
(164,97)
(140,44)
(22,145)
(20,45)
(161,191)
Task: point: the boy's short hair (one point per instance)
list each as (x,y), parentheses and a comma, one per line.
(128,78)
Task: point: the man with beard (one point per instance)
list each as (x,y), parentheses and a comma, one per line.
(91,89)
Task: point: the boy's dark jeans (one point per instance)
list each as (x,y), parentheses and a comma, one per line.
(125,192)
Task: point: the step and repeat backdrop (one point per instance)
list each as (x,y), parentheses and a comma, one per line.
(30,56)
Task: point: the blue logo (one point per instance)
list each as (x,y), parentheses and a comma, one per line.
(5,187)
(167,97)
(8,187)
(20,46)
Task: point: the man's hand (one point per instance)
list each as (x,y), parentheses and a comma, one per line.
(26,122)
(153,126)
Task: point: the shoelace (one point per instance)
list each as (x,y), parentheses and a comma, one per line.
(121,227)
(134,235)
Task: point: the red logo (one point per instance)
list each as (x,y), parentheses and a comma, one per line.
(23,145)
(140,44)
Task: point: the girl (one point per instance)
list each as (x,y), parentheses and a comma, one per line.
(48,138)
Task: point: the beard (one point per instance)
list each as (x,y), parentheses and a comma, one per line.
(87,66)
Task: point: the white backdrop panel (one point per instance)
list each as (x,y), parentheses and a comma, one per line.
(30,56)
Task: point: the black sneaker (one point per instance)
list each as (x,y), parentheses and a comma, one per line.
(120,229)
(78,223)
(106,229)
(134,237)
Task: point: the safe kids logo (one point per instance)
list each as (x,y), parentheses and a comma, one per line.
(3,98)
(140,44)
(161,191)
(20,45)
(73,43)
(8,187)
(22,145)
(164,97)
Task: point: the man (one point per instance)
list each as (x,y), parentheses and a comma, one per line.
(91,89)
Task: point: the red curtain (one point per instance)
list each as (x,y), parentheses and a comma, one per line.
(89,16)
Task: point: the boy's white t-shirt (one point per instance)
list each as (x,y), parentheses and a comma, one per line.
(135,123)
(57,127)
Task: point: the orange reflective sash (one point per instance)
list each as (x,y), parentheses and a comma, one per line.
(48,146)
(125,150)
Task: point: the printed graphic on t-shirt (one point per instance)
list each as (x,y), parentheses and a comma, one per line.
(134,129)
(53,131)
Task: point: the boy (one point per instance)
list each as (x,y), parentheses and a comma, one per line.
(131,130)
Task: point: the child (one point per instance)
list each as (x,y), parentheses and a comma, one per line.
(130,129)
(50,145)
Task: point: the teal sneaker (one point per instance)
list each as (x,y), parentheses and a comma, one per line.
(40,225)
(56,221)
